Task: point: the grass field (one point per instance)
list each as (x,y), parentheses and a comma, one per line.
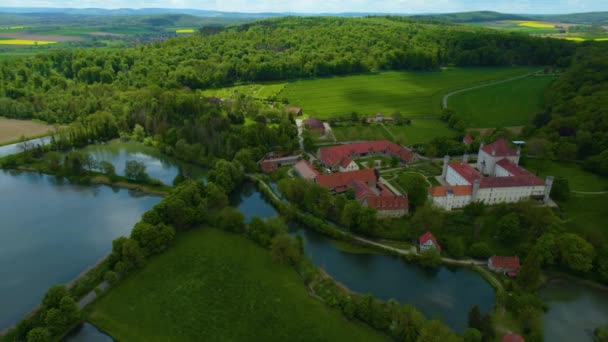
(420,131)
(24,42)
(184,30)
(11,130)
(414,94)
(216,286)
(258,91)
(511,103)
(579,179)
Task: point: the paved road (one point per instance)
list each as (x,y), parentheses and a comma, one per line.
(299,124)
(90,297)
(444,102)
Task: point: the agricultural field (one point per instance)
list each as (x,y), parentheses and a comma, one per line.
(217,286)
(413,94)
(543,28)
(512,103)
(260,91)
(12,130)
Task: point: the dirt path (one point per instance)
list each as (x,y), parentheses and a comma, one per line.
(444,102)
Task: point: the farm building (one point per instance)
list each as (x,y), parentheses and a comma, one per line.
(388,206)
(294,110)
(304,169)
(505,265)
(348,165)
(314,124)
(272,161)
(427,241)
(507,181)
(339,182)
(333,157)
(511,337)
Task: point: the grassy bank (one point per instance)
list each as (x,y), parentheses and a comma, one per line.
(218,286)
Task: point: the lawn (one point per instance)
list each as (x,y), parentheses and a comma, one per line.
(512,103)
(420,131)
(360,132)
(216,286)
(586,215)
(260,91)
(414,94)
(579,179)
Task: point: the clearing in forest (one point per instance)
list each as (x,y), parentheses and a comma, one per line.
(511,103)
(413,94)
(218,286)
(12,130)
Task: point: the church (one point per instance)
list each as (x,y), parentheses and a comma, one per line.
(495,178)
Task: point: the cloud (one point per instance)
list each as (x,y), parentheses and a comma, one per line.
(335,6)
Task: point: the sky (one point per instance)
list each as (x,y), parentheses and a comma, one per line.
(335,6)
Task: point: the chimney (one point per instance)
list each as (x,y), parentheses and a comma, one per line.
(475,190)
(446,160)
(548,186)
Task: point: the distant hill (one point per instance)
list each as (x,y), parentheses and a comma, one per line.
(576,18)
(472,17)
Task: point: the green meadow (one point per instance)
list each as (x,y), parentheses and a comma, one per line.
(414,94)
(512,103)
(420,131)
(216,286)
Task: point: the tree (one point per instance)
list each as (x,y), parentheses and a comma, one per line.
(107,168)
(480,250)
(69,309)
(285,250)
(216,196)
(436,331)
(416,187)
(575,253)
(560,189)
(38,335)
(602,263)
(139,133)
(53,296)
(131,256)
(475,318)
(232,220)
(430,258)
(509,228)
(308,142)
(111,277)
(600,334)
(55,321)
(487,328)
(263,232)
(472,335)
(136,171)
(153,239)
(227,175)
(530,273)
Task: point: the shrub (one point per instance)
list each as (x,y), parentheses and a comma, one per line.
(38,335)
(430,258)
(480,250)
(285,250)
(111,277)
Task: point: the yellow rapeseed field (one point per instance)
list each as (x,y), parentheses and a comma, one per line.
(536,24)
(24,42)
(184,31)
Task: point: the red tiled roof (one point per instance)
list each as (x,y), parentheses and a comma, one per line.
(513,168)
(457,190)
(305,169)
(507,182)
(499,148)
(388,203)
(466,171)
(505,262)
(345,162)
(511,337)
(385,191)
(426,236)
(268,166)
(333,155)
(296,110)
(314,123)
(467,140)
(362,190)
(340,180)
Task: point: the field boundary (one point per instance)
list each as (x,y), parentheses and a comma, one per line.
(444,101)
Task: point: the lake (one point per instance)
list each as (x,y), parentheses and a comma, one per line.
(575,310)
(445,293)
(52,230)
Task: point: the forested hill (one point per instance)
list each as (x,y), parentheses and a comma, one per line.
(473,17)
(57,86)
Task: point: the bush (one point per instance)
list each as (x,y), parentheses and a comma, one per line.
(38,335)
(430,258)
(153,239)
(285,250)
(232,220)
(480,250)
(53,296)
(111,277)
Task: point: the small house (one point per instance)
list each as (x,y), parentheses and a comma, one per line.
(304,169)
(294,110)
(505,265)
(314,124)
(427,241)
(511,337)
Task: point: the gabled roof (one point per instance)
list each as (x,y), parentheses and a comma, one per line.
(456,190)
(499,148)
(333,155)
(388,202)
(362,190)
(511,337)
(305,169)
(345,162)
(425,237)
(467,140)
(513,168)
(511,262)
(507,182)
(314,123)
(268,166)
(466,171)
(342,179)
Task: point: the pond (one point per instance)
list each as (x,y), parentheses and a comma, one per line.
(51,231)
(445,293)
(17,148)
(575,310)
(158,165)
(251,203)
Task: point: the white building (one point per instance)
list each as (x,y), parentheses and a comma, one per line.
(348,165)
(506,180)
(427,241)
